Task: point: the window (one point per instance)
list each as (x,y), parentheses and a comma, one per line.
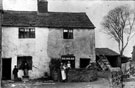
(70,58)
(26,32)
(22,59)
(68,33)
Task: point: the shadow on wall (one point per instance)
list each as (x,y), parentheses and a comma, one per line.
(57,46)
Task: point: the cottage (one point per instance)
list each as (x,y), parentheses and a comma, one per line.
(36,37)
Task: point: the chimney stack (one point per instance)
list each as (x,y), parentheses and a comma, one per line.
(1,5)
(42,6)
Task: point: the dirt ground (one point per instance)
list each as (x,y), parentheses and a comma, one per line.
(130,82)
(100,83)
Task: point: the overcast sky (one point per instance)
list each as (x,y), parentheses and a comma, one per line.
(95,9)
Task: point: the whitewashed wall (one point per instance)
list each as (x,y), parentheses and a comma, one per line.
(49,43)
(12,47)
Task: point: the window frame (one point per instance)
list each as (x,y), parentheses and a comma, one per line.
(26,32)
(68,33)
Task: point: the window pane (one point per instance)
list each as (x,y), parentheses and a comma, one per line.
(65,30)
(21,29)
(71,35)
(26,30)
(68,34)
(70,30)
(21,32)
(65,35)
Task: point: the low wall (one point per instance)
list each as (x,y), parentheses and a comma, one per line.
(114,78)
(103,74)
(82,75)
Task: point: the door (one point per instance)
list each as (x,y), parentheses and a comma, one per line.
(6,68)
(84,62)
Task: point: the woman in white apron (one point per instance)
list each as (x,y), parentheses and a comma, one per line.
(63,72)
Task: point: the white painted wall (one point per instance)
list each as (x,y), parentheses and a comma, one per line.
(12,47)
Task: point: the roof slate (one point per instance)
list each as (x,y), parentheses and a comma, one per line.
(50,19)
(106,51)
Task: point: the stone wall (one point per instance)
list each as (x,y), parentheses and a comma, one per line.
(82,75)
(81,46)
(113,77)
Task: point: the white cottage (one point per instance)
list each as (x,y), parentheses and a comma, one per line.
(39,36)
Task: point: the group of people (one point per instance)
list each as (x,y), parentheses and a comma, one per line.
(24,66)
(64,70)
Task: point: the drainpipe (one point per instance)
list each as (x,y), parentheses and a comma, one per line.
(1,10)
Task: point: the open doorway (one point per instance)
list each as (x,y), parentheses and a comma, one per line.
(84,62)
(21,59)
(6,68)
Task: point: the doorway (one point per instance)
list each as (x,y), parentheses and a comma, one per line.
(6,68)
(21,59)
(84,62)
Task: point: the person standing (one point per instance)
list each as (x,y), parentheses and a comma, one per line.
(67,70)
(69,65)
(15,72)
(63,73)
(25,68)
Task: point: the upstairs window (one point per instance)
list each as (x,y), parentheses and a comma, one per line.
(26,32)
(68,33)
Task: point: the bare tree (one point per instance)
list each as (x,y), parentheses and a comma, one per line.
(119,24)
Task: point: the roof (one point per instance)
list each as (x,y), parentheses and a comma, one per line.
(109,52)
(50,19)
(106,51)
(125,59)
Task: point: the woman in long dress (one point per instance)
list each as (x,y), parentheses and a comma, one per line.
(63,72)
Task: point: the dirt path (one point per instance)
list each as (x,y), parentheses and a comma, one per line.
(100,83)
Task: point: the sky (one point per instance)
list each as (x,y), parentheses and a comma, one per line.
(95,9)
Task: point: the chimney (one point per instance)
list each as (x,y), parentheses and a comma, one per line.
(1,5)
(42,6)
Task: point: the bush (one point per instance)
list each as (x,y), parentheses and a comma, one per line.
(54,67)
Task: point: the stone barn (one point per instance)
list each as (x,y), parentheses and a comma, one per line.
(112,57)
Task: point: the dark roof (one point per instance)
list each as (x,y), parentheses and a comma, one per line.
(50,19)
(125,59)
(106,51)
(109,52)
